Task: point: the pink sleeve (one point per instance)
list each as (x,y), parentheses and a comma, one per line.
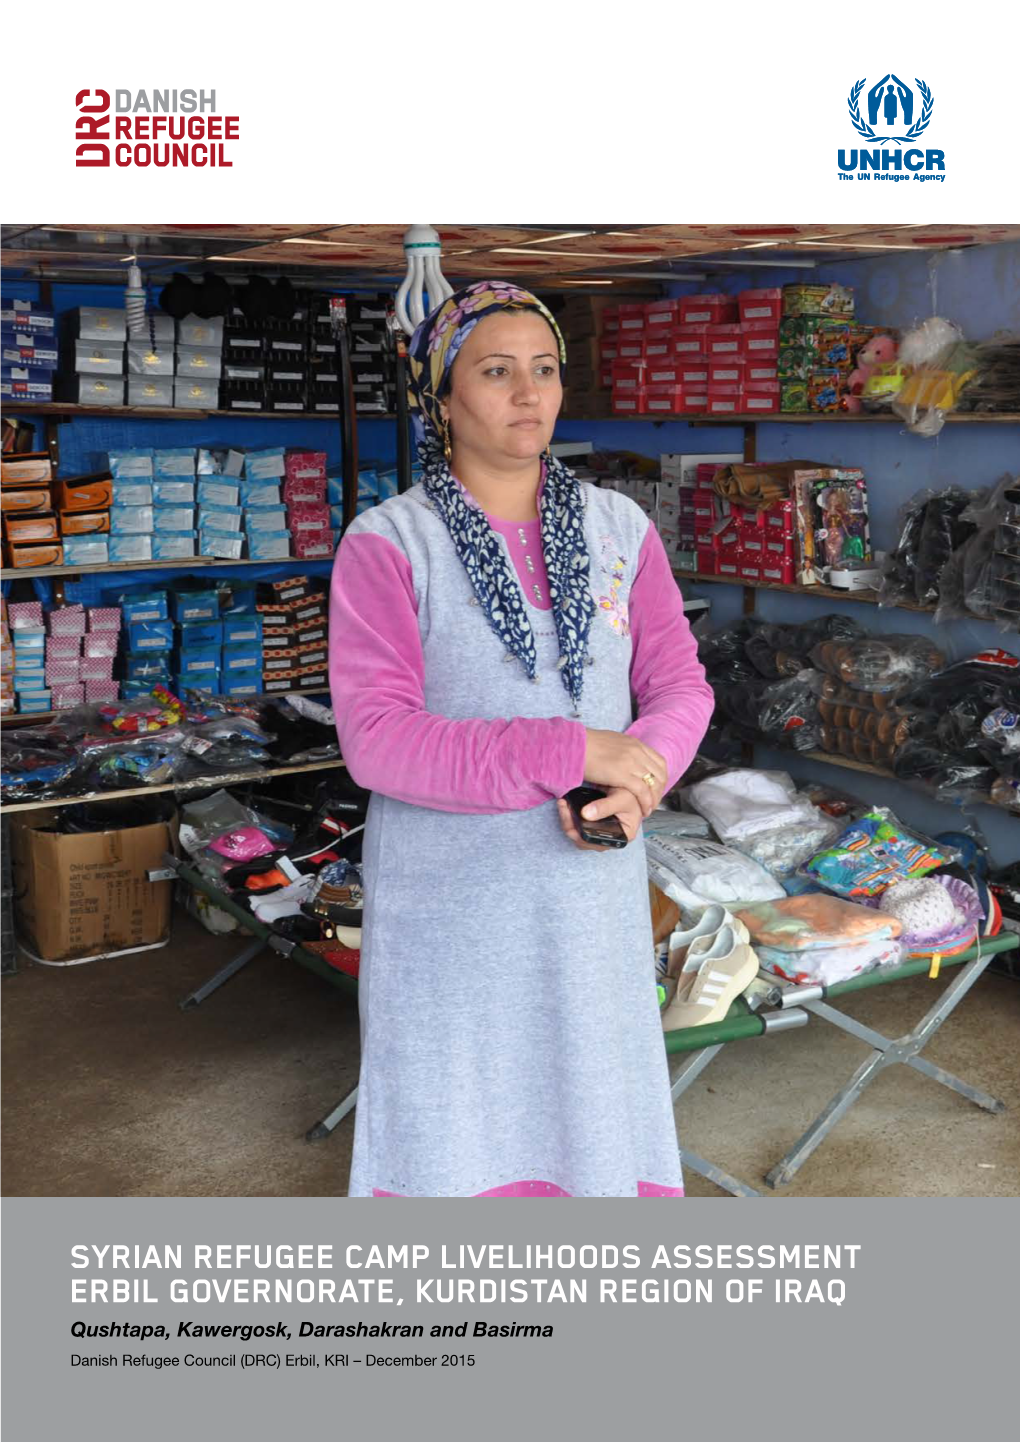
(674,702)
(390,742)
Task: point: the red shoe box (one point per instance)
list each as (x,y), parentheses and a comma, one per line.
(609,349)
(606,378)
(694,374)
(632,318)
(760,401)
(780,517)
(706,507)
(763,305)
(759,344)
(305,465)
(752,542)
(728,539)
(778,547)
(629,403)
(665,399)
(693,401)
(662,314)
(628,375)
(611,320)
(309,545)
(304,517)
(707,560)
(759,373)
(690,342)
(665,372)
(726,370)
(723,400)
(728,565)
(781,572)
(656,344)
(632,348)
(724,340)
(311,488)
(750,570)
(713,309)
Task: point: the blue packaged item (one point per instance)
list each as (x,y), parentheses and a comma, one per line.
(199,661)
(873,853)
(29,638)
(174,461)
(242,683)
(29,680)
(264,465)
(143,606)
(218,493)
(190,606)
(146,666)
(387,484)
(335,490)
(37,351)
(208,681)
(193,635)
(240,601)
(30,661)
(173,493)
(240,630)
(29,317)
(265,518)
(132,493)
(32,375)
(336,516)
(242,658)
(127,549)
(130,462)
(173,518)
(150,636)
(86,551)
(23,390)
(268,545)
(34,701)
(219,518)
(256,495)
(368,482)
(228,545)
(173,545)
(131,520)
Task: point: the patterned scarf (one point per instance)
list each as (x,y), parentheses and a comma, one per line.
(432,351)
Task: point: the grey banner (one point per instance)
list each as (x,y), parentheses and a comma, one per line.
(605,1317)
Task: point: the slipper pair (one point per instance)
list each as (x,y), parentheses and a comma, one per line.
(709,967)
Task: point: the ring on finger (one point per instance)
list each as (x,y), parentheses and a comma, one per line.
(649,779)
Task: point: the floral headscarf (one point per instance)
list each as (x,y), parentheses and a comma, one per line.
(433,349)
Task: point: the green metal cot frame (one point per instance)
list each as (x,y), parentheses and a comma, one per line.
(792,1007)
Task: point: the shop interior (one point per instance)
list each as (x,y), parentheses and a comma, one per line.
(822,422)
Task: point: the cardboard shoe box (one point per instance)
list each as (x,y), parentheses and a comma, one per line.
(91,390)
(32,468)
(86,895)
(144,390)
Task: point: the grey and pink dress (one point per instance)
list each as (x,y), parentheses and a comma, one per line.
(510,1032)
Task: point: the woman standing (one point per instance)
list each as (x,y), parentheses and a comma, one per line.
(487,631)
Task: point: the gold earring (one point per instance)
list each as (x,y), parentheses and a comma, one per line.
(447,447)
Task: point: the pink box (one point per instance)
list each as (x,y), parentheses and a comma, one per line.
(65,696)
(101,643)
(97,668)
(60,646)
(64,670)
(312,488)
(104,618)
(22,615)
(305,465)
(102,690)
(67,621)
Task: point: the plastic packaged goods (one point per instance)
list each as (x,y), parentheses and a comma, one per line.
(872,853)
(879,663)
(1005,792)
(982,578)
(932,529)
(826,965)
(995,385)
(814,922)
(151,760)
(694,872)
(939,365)
(36,763)
(788,713)
(778,650)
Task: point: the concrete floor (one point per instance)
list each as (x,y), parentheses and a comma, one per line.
(110,1090)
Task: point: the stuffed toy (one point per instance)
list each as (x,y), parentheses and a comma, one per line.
(879,352)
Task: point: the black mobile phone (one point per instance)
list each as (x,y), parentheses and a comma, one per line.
(607,832)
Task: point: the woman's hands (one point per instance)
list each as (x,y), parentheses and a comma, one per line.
(619,802)
(613,760)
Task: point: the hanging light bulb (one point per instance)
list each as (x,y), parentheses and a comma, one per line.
(134,300)
(423,249)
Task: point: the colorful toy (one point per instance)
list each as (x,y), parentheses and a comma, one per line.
(877,358)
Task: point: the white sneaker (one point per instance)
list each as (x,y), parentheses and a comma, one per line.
(720,977)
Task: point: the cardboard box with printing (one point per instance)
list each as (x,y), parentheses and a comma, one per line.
(85,895)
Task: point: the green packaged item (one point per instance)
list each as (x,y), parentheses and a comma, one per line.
(796,362)
(827,300)
(793,395)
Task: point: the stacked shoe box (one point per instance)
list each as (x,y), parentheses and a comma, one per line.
(262,506)
(147,641)
(308,514)
(150,364)
(323,359)
(373,359)
(132,519)
(199,363)
(93,357)
(30,531)
(81,648)
(84,505)
(8,699)
(266,361)
(286,349)
(243,383)
(28,660)
(197,659)
(28,351)
(590,327)
(294,635)
(173,505)
(219,517)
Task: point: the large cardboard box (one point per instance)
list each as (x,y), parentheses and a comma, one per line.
(81,896)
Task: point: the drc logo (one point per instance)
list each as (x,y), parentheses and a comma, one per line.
(892,116)
(891,104)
